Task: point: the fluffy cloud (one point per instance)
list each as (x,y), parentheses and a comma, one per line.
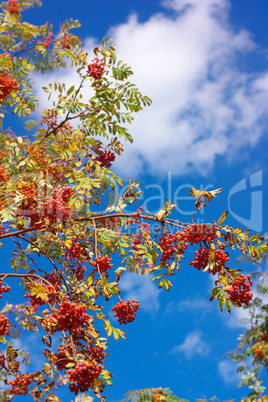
(187,59)
(192,345)
(228,371)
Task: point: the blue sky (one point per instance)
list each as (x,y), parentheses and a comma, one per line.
(204,64)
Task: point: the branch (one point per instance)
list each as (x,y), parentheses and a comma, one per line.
(4,276)
(172,222)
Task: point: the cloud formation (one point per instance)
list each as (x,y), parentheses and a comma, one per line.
(206,104)
(228,371)
(193,345)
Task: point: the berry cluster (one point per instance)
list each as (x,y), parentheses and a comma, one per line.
(240,290)
(2,360)
(102,264)
(106,159)
(50,292)
(96,69)
(4,176)
(142,237)
(79,272)
(202,258)
(20,384)
(167,243)
(67,41)
(82,376)
(54,208)
(76,251)
(69,317)
(50,119)
(4,325)
(3,288)
(195,233)
(125,311)
(48,40)
(136,216)
(97,353)
(7,85)
(13,6)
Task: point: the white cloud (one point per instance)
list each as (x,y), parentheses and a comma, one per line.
(192,345)
(141,288)
(204,105)
(228,371)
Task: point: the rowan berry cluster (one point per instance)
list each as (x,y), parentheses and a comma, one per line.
(240,291)
(69,317)
(4,325)
(82,376)
(79,272)
(13,6)
(96,69)
(125,311)
(97,353)
(102,264)
(51,293)
(195,233)
(48,40)
(136,217)
(7,85)
(50,119)
(20,384)
(54,278)
(3,288)
(54,209)
(2,360)
(76,251)
(106,159)
(167,243)
(4,176)
(203,256)
(67,41)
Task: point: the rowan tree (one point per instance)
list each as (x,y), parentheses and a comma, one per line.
(59,205)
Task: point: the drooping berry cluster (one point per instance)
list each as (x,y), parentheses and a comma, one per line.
(240,291)
(3,288)
(97,353)
(102,264)
(48,40)
(70,316)
(106,159)
(96,69)
(4,325)
(13,6)
(79,271)
(4,176)
(76,251)
(203,256)
(167,243)
(20,384)
(7,85)
(2,360)
(67,41)
(49,291)
(54,209)
(82,376)
(125,311)
(195,233)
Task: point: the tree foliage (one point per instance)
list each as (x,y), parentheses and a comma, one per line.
(65,211)
(251,353)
